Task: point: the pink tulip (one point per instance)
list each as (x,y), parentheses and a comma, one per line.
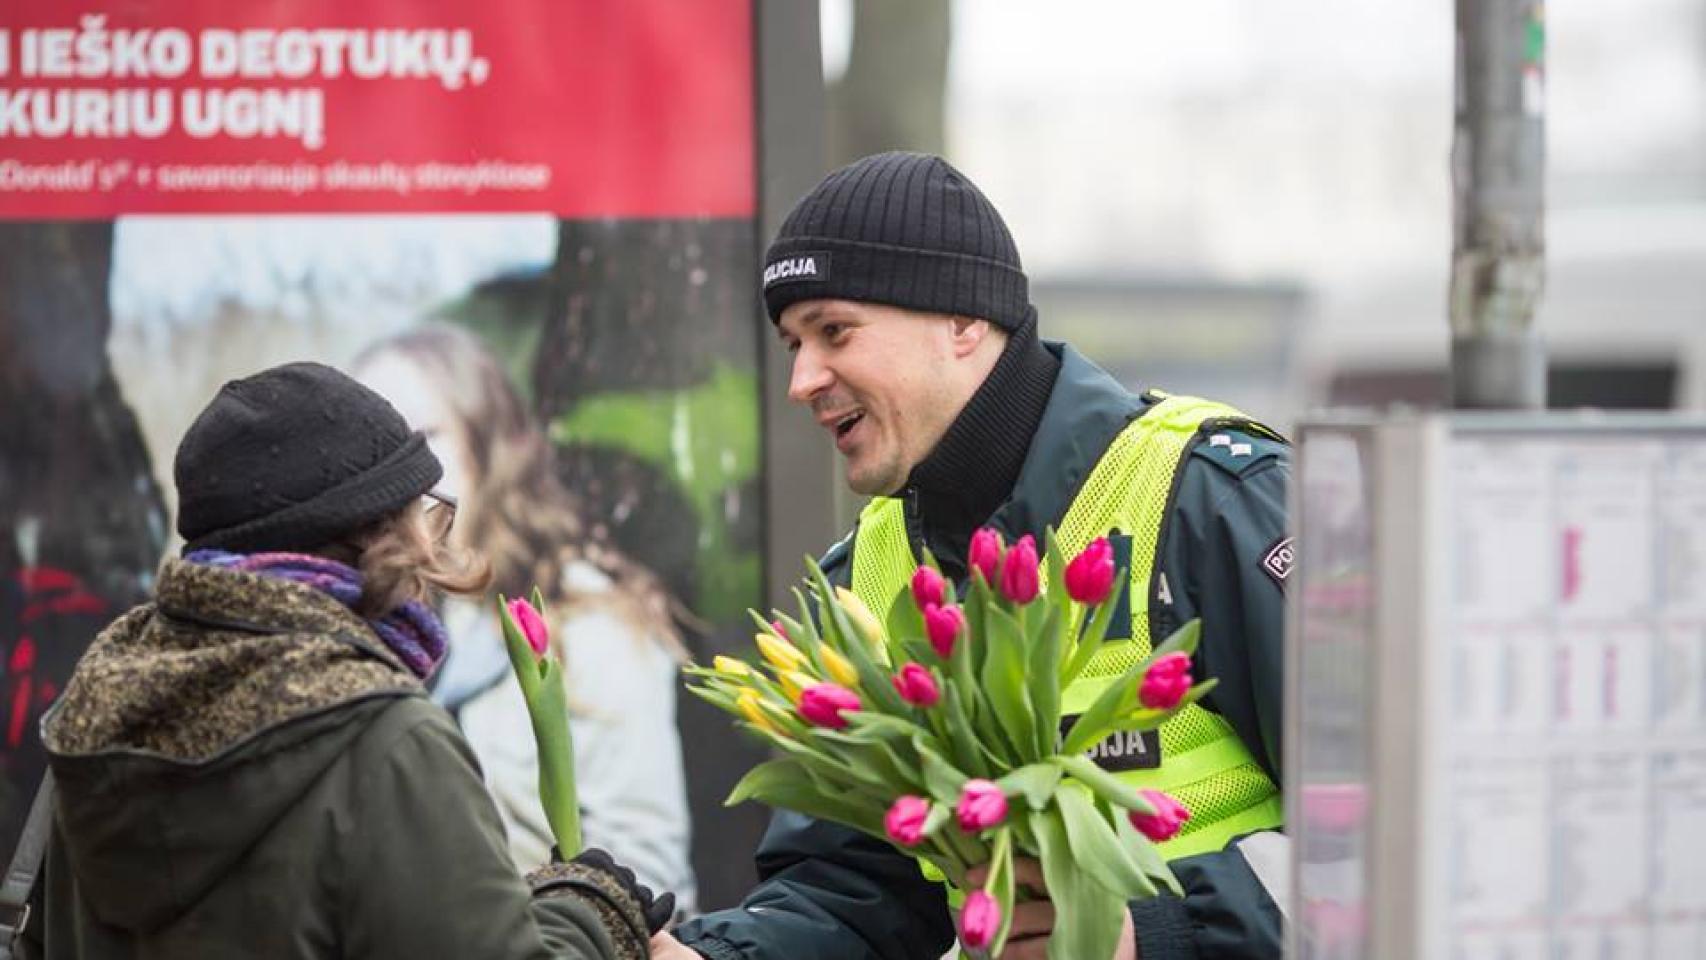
(781,631)
(1019,580)
(824,703)
(980,920)
(905,820)
(531,625)
(928,589)
(916,686)
(1165,822)
(1090,575)
(1166,682)
(984,554)
(982,805)
(944,625)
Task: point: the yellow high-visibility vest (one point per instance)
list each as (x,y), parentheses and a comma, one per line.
(1204,765)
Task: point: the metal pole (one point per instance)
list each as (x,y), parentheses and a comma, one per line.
(1498,265)
(800,470)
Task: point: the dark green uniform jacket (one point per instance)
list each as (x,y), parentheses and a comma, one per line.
(831,893)
(244,771)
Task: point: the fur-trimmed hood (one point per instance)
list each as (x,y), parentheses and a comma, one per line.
(194,722)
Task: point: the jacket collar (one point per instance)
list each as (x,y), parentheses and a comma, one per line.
(1086,410)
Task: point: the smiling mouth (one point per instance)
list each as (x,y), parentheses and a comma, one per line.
(845,425)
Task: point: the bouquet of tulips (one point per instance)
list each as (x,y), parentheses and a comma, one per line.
(528,641)
(939,730)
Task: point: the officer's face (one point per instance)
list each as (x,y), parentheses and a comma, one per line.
(883,381)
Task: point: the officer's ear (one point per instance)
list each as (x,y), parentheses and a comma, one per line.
(970,334)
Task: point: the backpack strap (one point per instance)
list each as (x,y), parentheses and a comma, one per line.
(20,880)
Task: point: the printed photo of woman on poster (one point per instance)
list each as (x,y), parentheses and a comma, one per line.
(612,617)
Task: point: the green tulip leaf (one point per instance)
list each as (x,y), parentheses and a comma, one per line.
(941,778)
(786,784)
(1146,855)
(1106,785)
(1096,847)
(1004,684)
(1087,917)
(1034,781)
(1043,682)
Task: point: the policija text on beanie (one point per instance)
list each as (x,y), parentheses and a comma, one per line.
(904,229)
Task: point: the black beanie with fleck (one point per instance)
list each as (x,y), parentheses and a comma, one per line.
(295,457)
(904,229)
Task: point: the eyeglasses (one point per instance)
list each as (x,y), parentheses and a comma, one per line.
(438,510)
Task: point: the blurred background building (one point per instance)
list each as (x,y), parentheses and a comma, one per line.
(1232,198)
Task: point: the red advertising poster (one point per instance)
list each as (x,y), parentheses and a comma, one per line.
(635,109)
(528,224)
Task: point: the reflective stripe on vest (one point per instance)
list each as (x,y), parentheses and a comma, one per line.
(1204,764)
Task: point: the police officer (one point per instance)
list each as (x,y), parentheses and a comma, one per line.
(899,290)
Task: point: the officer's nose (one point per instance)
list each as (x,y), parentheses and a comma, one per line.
(810,376)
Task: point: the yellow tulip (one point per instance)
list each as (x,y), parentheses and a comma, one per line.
(867,625)
(731,666)
(839,668)
(752,708)
(781,654)
(794,684)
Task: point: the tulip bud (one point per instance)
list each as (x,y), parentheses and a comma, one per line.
(731,666)
(864,622)
(982,805)
(839,668)
(1090,575)
(781,631)
(781,654)
(531,625)
(943,625)
(980,920)
(916,686)
(1019,580)
(928,588)
(984,554)
(905,820)
(794,684)
(1166,682)
(1164,824)
(824,703)
(751,707)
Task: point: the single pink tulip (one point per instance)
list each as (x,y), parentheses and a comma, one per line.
(928,589)
(916,686)
(1019,580)
(531,625)
(984,554)
(943,625)
(980,920)
(1166,682)
(824,703)
(905,820)
(982,805)
(1090,575)
(781,631)
(1165,823)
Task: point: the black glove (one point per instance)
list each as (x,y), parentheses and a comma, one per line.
(658,910)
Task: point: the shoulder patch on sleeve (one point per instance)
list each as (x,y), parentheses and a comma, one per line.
(1237,452)
(1279,559)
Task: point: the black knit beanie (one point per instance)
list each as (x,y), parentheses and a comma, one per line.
(904,229)
(295,457)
